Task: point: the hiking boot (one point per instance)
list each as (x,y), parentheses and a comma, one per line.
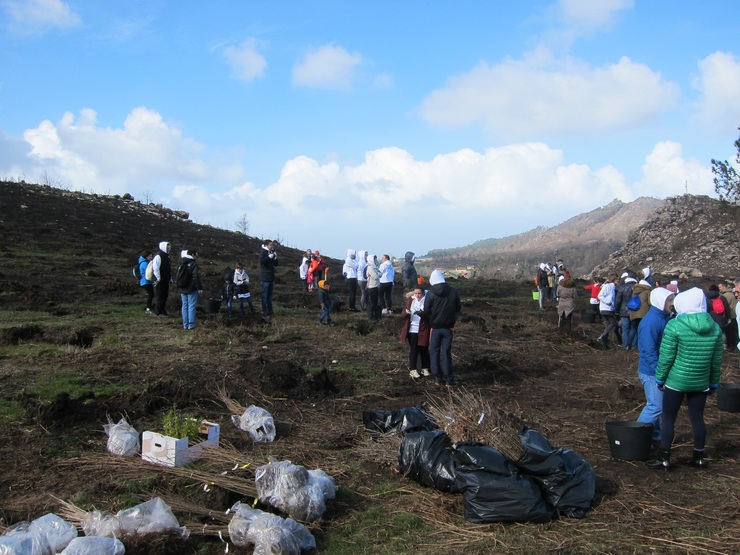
(452,382)
(425,372)
(148,311)
(697,460)
(414,374)
(663,462)
(603,342)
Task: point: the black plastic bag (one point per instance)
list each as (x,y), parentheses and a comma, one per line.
(567,480)
(493,489)
(409,419)
(426,458)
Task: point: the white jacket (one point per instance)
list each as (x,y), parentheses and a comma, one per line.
(350,265)
(387,273)
(606,297)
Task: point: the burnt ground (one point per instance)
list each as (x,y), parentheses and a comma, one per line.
(75,350)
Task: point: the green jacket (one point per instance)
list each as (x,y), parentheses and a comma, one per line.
(690,353)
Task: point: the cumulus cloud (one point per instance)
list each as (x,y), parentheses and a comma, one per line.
(245,60)
(146,152)
(719,85)
(30,17)
(666,173)
(328,67)
(587,14)
(539,95)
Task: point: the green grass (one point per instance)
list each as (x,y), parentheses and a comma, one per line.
(10,411)
(48,387)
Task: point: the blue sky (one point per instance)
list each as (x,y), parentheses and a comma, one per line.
(385,126)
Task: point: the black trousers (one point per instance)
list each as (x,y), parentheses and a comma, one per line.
(352,292)
(386,292)
(416,351)
(149,288)
(373,309)
(161,291)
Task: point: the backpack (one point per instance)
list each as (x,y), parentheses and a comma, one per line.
(718,307)
(184,276)
(364,273)
(149,273)
(635,303)
(136,271)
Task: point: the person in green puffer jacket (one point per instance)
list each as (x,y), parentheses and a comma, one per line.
(689,365)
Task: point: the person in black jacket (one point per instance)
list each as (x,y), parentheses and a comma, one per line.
(268,262)
(441,305)
(188,282)
(162,278)
(621,299)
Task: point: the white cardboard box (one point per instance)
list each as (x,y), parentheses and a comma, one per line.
(169,451)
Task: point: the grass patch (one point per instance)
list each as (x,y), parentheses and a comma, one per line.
(48,387)
(10,411)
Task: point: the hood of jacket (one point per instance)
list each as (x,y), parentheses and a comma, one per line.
(361,255)
(659,296)
(692,301)
(437,277)
(441,289)
(163,246)
(640,287)
(409,257)
(351,253)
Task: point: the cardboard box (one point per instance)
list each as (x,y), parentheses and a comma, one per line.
(169,451)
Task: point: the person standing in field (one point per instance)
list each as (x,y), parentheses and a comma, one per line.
(441,306)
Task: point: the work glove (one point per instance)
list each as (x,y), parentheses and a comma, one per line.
(661,386)
(713,388)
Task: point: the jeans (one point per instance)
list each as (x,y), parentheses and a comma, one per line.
(189,300)
(352,287)
(696,401)
(610,325)
(440,354)
(363,294)
(654,404)
(629,333)
(543,294)
(325,314)
(267,288)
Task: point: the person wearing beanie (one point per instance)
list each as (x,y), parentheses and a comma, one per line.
(689,366)
(326,302)
(441,305)
(649,336)
(621,299)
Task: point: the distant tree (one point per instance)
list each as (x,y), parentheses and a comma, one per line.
(726,178)
(242,224)
(148,196)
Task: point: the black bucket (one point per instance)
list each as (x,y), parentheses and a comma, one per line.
(212,306)
(728,397)
(588,317)
(629,441)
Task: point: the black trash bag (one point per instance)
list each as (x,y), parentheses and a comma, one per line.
(567,480)
(494,490)
(409,419)
(426,458)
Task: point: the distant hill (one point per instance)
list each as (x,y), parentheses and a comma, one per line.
(582,242)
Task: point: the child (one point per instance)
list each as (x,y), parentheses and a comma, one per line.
(228,292)
(241,282)
(325,300)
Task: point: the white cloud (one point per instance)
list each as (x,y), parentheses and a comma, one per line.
(29,17)
(245,60)
(666,173)
(540,95)
(587,14)
(328,67)
(146,152)
(719,84)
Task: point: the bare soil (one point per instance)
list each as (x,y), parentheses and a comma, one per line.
(69,306)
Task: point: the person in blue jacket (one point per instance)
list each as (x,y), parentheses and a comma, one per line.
(649,336)
(144,258)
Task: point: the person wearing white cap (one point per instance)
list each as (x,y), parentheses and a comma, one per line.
(441,305)
(689,365)
(649,336)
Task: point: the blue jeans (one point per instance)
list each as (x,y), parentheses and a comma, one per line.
(629,333)
(654,406)
(440,354)
(266,290)
(189,300)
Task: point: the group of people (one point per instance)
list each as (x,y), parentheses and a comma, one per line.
(548,280)
(680,337)
(155,277)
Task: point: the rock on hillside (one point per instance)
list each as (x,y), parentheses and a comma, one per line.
(582,242)
(689,237)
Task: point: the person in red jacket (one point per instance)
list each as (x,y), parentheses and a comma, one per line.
(594,288)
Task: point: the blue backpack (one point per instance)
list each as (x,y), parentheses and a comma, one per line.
(634,304)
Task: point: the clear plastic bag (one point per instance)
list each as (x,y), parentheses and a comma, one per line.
(294,490)
(94,545)
(20,543)
(123,439)
(47,535)
(257,422)
(146,518)
(270,534)
(54,530)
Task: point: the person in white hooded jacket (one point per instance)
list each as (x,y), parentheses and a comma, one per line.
(606,308)
(387,276)
(362,277)
(373,283)
(350,275)
(162,269)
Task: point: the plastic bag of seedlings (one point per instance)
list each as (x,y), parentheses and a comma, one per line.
(270,534)
(94,545)
(55,531)
(493,489)
(46,535)
(153,516)
(123,439)
(409,419)
(567,480)
(294,490)
(426,458)
(257,422)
